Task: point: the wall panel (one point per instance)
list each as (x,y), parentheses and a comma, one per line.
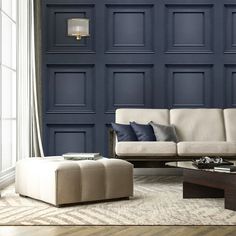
(128,86)
(230,23)
(189,28)
(56,28)
(70,88)
(129,28)
(230,85)
(141,54)
(189,86)
(70,138)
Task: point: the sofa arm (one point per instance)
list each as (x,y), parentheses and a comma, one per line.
(112,143)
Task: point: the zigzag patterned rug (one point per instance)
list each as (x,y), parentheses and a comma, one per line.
(157,201)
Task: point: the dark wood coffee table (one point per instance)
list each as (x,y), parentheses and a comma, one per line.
(208,183)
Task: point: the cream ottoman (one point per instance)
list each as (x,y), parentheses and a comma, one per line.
(58,181)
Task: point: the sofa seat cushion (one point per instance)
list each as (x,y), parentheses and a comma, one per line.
(206,148)
(146,149)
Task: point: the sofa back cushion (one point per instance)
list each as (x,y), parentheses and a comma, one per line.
(230,124)
(142,116)
(198,124)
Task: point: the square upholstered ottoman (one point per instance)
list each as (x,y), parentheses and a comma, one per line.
(58,181)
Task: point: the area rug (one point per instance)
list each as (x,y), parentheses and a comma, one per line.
(157,201)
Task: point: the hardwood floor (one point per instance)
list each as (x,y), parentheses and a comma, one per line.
(117,230)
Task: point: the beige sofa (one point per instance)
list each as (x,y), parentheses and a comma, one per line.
(201,132)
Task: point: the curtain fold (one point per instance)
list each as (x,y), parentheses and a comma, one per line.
(35,75)
(23,82)
(29,105)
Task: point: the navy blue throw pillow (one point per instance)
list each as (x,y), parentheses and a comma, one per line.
(143,132)
(124,132)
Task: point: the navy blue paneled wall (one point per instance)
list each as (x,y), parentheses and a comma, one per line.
(141,53)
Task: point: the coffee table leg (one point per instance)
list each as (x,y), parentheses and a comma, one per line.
(230,199)
(191,190)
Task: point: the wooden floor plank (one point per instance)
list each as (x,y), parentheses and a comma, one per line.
(117,230)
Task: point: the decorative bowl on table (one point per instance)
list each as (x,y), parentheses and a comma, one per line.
(210,162)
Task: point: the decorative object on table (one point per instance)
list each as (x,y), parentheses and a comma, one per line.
(81,156)
(225,168)
(210,162)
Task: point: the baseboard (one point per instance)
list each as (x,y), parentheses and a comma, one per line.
(7,179)
(158,171)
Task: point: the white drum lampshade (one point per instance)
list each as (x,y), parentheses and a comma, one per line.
(78,27)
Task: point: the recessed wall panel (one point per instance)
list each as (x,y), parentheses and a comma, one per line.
(57,39)
(230,85)
(123,95)
(230,30)
(67,141)
(70,138)
(128,86)
(71,88)
(189,28)
(189,86)
(129,28)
